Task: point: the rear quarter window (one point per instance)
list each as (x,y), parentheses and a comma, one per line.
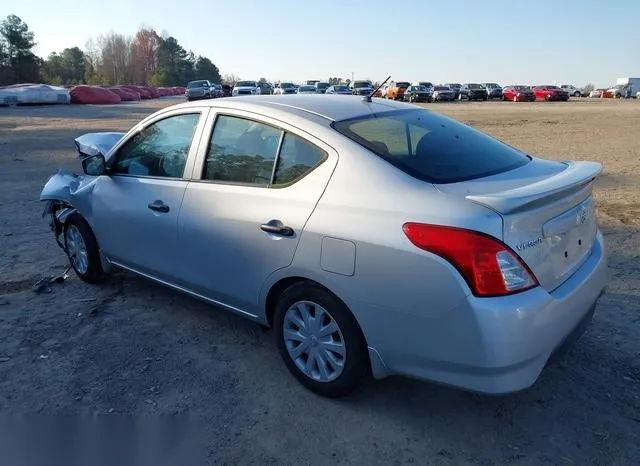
(432,147)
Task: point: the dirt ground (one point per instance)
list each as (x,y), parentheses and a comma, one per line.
(130,347)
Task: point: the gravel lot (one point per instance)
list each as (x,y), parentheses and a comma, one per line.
(131,347)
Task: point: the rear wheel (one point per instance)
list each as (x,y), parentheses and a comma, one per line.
(82,249)
(320,340)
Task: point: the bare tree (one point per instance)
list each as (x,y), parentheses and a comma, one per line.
(116,58)
(144,53)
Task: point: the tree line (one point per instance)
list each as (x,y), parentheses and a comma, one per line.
(146,58)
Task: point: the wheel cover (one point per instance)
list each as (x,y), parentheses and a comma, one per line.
(314,341)
(76,249)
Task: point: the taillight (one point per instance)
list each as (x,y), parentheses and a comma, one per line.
(489,266)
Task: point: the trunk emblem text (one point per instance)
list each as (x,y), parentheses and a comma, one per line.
(529,244)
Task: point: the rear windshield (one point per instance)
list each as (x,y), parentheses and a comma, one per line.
(322,85)
(246,84)
(431,147)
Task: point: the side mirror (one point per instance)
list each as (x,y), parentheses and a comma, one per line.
(94,165)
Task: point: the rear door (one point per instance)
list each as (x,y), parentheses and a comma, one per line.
(256,182)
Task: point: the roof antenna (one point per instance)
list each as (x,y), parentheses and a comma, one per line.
(367,98)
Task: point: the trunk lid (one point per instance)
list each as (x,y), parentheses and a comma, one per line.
(547,210)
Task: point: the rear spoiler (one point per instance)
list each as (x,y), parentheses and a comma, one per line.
(575,177)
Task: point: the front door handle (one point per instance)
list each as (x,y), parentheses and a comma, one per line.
(276,227)
(159,206)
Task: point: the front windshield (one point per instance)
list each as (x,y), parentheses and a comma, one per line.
(521,88)
(475,86)
(426,84)
(357,84)
(193,84)
(455,86)
(322,85)
(340,88)
(441,88)
(491,85)
(403,84)
(306,89)
(246,84)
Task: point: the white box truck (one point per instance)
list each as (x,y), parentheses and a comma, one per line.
(625,88)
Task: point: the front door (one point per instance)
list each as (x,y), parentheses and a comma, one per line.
(242,220)
(136,205)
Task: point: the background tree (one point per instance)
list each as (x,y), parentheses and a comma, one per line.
(145,58)
(588,88)
(19,64)
(144,52)
(205,69)
(115,59)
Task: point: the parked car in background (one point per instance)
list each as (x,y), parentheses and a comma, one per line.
(455,88)
(342,89)
(596,93)
(518,93)
(321,87)
(473,91)
(361,87)
(246,88)
(494,90)
(619,91)
(427,84)
(311,82)
(282,214)
(638,95)
(285,88)
(306,89)
(396,89)
(227,90)
(265,88)
(550,93)
(217,91)
(443,94)
(197,90)
(416,94)
(571,90)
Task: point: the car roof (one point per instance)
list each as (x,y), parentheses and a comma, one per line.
(309,106)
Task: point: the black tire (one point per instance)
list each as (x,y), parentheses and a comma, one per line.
(356,366)
(93,272)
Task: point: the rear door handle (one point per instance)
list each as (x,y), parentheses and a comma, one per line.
(276,227)
(159,206)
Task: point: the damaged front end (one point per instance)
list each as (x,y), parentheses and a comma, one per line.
(63,194)
(66,193)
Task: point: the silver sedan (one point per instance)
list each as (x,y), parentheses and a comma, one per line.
(374,237)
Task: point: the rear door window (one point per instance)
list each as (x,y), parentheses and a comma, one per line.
(241,151)
(432,147)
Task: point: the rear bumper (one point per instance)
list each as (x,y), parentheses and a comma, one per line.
(499,345)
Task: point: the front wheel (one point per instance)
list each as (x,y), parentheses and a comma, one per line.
(320,340)
(82,249)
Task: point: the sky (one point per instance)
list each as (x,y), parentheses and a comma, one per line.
(509,42)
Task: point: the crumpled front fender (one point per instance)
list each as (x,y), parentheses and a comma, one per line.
(71,189)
